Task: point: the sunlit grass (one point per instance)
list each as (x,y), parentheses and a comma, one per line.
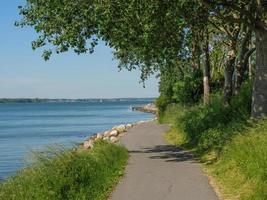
(232,147)
(68,174)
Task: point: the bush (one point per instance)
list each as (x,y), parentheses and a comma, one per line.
(162,102)
(61,174)
(210,126)
(233,147)
(188,90)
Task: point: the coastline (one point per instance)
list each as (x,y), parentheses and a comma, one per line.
(41,125)
(148,108)
(100,159)
(114,134)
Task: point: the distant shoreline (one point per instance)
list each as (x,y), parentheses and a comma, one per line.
(90,100)
(148,108)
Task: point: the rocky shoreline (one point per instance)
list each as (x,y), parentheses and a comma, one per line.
(149,108)
(116,132)
(111,135)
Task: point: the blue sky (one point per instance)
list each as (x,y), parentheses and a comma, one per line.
(23,72)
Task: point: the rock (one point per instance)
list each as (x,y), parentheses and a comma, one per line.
(93,137)
(129,126)
(106,133)
(88,144)
(150,108)
(121,128)
(113,133)
(113,139)
(111,136)
(99,136)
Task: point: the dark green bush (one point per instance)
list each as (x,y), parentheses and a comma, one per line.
(188,90)
(162,102)
(212,125)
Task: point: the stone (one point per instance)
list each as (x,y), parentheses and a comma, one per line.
(113,133)
(113,139)
(88,144)
(93,137)
(99,136)
(121,128)
(129,126)
(106,133)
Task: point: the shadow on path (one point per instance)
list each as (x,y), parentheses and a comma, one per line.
(168,152)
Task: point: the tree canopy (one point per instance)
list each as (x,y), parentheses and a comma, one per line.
(173,38)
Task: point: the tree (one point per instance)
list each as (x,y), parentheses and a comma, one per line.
(207,66)
(254,15)
(150,35)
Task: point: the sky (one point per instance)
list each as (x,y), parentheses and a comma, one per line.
(24,73)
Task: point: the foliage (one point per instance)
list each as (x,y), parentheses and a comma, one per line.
(66,174)
(188,90)
(152,36)
(209,127)
(233,147)
(168,38)
(240,169)
(162,102)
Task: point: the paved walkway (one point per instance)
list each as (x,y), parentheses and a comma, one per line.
(157,171)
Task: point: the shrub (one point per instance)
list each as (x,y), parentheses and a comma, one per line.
(162,102)
(212,125)
(233,146)
(188,90)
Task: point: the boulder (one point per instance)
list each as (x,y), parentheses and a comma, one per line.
(88,144)
(129,126)
(113,133)
(121,128)
(106,133)
(93,137)
(113,139)
(99,136)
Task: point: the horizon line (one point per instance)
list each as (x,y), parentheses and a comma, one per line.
(41,98)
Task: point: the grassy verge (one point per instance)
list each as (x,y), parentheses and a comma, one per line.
(61,174)
(233,148)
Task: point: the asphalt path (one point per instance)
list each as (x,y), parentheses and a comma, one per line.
(158,171)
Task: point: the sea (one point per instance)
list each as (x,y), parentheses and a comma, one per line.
(29,127)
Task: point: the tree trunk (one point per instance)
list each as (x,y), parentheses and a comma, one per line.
(206,74)
(259,96)
(241,69)
(228,77)
(239,74)
(242,63)
(250,68)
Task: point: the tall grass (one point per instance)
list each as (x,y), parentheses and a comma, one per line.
(211,126)
(233,147)
(241,169)
(65,174)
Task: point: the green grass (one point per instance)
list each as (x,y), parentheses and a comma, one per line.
(233,148)
(241,168)
(65,174)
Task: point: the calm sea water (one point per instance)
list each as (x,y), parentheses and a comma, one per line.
(29,126)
